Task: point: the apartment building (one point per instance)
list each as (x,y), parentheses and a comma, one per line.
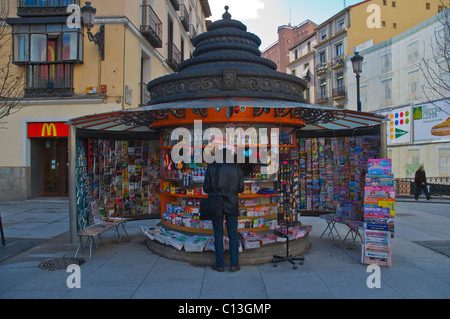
(353,29)
(71,70)
(303,64)
(288,35)
(406,78)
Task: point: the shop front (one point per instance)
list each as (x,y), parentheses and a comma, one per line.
(49,158)
(297,158)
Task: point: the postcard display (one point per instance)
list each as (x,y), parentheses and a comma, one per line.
(379,213)
(116,178)
(331,173)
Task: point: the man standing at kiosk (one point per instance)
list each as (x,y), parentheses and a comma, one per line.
(227,180)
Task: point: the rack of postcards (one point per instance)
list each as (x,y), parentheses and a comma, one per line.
(331,171)
(83,193)
(120,178)
(379,213)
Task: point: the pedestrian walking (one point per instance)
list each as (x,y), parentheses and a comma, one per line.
(420,180)
(226,180)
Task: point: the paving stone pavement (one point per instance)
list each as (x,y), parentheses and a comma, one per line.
(129,270)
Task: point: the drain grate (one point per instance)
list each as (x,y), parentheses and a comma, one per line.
(16,245)
(61,263)
(441,246)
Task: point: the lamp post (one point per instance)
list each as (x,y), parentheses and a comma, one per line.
(357,68)
(89,21)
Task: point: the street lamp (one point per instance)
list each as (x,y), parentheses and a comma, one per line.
(89,21)
(357,61)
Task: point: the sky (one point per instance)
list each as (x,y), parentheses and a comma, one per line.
(263,17)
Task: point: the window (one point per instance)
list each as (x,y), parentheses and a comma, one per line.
(339,49)
(444,162)
(323,89)
(394,25)
(322,57)
(413,160)
(309,46)
(413,51)
(323,34)
(47,43)
(386,92)
(386,63)
(384,2)
(427,6)
(296,54)
(340,80)
(340,25)
(394,4)
(413,84)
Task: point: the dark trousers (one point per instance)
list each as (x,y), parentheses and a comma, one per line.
(419,189)
(232,224)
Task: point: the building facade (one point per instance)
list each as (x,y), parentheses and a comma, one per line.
(66,76)
(288,36)
(396,82)
(303,64)
(353,29)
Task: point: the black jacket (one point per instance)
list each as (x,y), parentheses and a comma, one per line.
(420,178)
(226,180)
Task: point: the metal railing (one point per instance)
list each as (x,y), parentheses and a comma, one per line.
(46,3)
(438,186)
(184,17)
(339,91)
(44,7)
(151,26)
(173,55)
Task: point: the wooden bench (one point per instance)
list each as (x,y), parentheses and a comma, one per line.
(97,229)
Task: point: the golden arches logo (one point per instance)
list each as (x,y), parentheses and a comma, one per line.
(48,130)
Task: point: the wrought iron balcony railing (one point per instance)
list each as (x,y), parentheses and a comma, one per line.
(48,80)
(173,56)
(184,17)
(26,8)
(151,26)
(338,92)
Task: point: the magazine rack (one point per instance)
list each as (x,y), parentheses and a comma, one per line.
(277,259)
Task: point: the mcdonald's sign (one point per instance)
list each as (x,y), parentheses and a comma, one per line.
(48,129)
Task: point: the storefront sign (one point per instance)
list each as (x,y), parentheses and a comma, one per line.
(399,126)
(48,129)
(432,122)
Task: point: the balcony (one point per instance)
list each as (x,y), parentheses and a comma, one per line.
(192,32)
(184,17)
(321,97)
(28,8)
(151,26)
(175,4)
(338,92)
(173,56)
(337,62)
(49,80)
(321,68)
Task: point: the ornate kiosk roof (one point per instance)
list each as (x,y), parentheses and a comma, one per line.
(226,76)
(226,62)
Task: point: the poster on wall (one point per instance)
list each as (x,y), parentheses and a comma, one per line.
(399,125)
(432,122)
